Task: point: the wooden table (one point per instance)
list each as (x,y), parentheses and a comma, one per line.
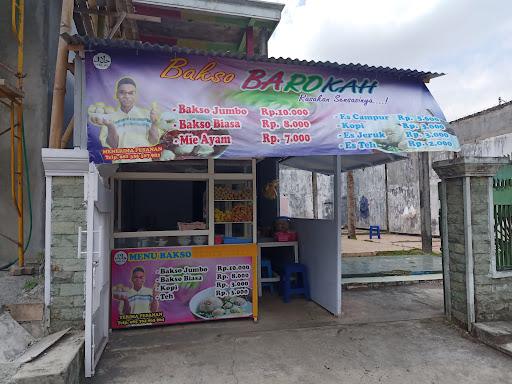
(274,244)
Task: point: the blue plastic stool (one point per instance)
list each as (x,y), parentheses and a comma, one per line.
(300,285)
(374,231)
(266,272)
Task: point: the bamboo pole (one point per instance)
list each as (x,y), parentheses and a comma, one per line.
(67,133)
(59,86)
(19,173)
(13,159)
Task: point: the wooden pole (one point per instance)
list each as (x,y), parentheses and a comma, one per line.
(424,185)
(249,45)
(67,133)
(263,42)
(59,86)
(351,206)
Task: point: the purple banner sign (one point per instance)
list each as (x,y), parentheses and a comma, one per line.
(149,106)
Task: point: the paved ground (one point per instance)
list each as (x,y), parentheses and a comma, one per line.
(389,335)
(386,265)
(363,246)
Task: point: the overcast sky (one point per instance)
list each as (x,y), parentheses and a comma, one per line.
(469,40)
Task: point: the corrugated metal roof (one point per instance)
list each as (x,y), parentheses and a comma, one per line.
(89,42)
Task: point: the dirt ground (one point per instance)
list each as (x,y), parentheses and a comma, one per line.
(364,246)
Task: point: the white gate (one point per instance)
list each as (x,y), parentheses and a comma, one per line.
(97,273)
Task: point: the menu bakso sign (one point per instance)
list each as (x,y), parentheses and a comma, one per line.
(147,106)
(169,285)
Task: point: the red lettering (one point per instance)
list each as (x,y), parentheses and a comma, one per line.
(276,80)
(189,140)
(253,81)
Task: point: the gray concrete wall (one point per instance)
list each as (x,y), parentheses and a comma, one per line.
(68,271)
(297,188)
(325,185)
(401,210)
(41,34)
(370,183)
(493,146)
(403,196)
(491,122)
(295,185)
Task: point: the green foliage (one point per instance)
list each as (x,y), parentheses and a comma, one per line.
(30,284)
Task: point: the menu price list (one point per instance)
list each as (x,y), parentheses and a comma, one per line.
(232,280)
(292,120)
(406,132)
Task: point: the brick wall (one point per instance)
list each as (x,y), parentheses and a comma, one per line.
(68,271)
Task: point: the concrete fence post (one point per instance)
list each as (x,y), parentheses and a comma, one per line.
(66,192)
(474,290)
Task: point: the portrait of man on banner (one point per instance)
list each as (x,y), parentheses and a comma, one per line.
(128,125)
(138,298)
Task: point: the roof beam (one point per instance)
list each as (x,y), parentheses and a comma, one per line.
(244,8)
(205,45)
(243,43)
(86,19)
(116,26)
(91,4)
(187,30)
(79,24)
(128,16)
(132,24)
(129,27)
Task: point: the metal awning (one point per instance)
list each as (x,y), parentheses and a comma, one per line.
(398,73)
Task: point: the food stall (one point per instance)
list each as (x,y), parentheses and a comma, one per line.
(177,136)
(195,238)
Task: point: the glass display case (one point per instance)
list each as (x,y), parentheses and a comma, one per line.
(233,211)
